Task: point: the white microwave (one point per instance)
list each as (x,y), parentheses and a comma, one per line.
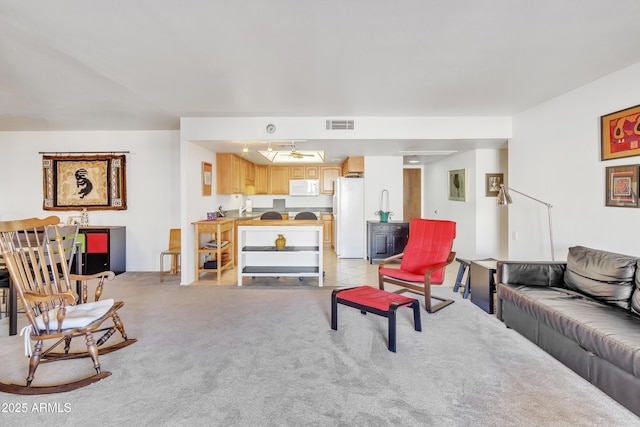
(304,187)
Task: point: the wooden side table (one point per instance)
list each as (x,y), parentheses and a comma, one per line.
(483,284)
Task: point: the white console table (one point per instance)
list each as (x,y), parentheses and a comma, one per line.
(301,257)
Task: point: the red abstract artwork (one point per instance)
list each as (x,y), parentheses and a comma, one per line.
(621,134)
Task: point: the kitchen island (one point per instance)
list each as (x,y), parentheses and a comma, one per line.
(301,256)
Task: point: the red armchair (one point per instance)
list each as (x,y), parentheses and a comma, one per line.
(423,261)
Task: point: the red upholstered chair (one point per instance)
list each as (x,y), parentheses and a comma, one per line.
(423,261)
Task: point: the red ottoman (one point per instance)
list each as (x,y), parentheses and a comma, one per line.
(376,301)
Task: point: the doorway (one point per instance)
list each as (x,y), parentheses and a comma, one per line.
(412,193)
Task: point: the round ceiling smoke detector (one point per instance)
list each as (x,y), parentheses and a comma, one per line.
(271,128)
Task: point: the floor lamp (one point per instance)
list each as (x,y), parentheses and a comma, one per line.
(505,199)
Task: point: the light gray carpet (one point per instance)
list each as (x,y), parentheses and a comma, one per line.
(256,356)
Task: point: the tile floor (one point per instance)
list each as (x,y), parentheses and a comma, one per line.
(338,272)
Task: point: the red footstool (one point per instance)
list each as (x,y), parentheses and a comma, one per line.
(376,301)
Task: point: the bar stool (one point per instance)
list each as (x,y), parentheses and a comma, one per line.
(464,266)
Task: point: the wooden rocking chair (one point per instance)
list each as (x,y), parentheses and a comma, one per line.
(34,252)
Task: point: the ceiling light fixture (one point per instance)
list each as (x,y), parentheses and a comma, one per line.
(269,149)
(245,149)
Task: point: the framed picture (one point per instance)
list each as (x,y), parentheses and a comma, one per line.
(620,134)
(95,182)
(622,186)
(492,183)
(206,178)
(458,185)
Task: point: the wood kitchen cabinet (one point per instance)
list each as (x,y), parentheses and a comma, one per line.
(328,175)
(249,172)
(311,172)
(327,237)
(296,172)
(262,179)
(353,166)
(278,179)
(103,249)
(303,172)
(385,239)
(230,174)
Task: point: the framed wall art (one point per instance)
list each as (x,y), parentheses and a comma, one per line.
(622,186)
(95,182)
(620,134)
(206,178)
(492,183)
(458,185)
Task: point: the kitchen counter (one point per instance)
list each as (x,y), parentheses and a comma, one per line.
(300,257)
(257,212)
(279,222)
(243,215)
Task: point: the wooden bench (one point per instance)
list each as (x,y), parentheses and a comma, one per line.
(376,301)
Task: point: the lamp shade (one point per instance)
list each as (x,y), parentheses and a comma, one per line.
(503,197)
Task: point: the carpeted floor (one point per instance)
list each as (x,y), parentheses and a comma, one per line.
(260,356)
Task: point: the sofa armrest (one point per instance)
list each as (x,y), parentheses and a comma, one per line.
(531,273)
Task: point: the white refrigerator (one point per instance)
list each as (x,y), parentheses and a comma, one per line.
(348,212)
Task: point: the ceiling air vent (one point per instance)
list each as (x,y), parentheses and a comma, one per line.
(339,124)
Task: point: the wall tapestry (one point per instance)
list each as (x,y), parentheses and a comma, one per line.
(458,185)
(95,182)
(622,186)
(620,134)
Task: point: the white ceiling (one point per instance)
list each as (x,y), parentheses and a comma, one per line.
(141,65)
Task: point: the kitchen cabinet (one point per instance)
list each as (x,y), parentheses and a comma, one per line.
(296,172)
(249,172)
(304,172)
(327,237)
(385,239)
(278,179)
(311,172)
(230,174)
(262,179)
(104,248)
(219,255)
(328,175)
(353,166)
(301,256)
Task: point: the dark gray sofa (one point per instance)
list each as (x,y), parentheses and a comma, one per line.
(584,312)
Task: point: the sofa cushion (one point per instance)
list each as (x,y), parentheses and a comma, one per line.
(602,275)
(609,332)
(635,297)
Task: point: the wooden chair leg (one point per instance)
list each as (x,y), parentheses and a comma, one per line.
(92,349)
(34,361)
(119,325)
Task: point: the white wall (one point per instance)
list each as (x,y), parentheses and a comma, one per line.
(383,173)
(555,156)
(152,184)
(478,219)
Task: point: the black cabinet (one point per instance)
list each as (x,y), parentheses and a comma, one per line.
(385,239)
(103,249)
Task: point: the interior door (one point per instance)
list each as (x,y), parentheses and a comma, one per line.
(412,194)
